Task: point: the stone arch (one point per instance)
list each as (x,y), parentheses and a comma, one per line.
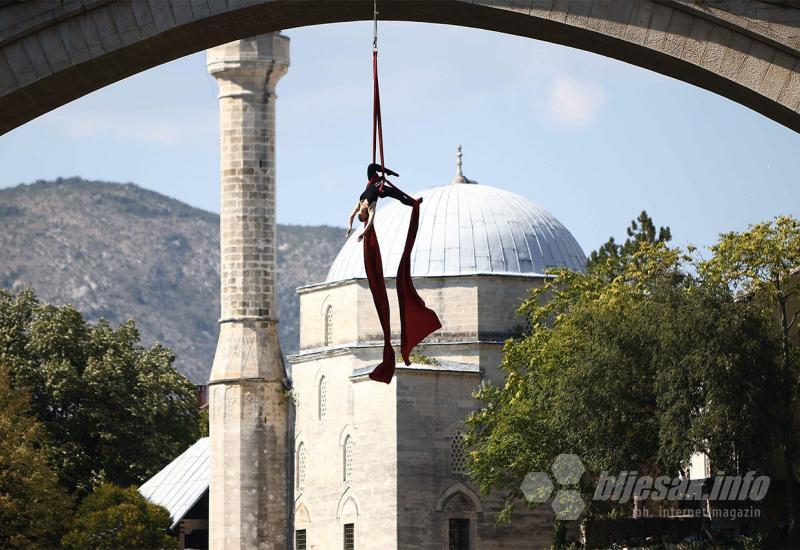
(301,514)
(50,56)
(346,431)
(324,305)
(347,505)
(455,490)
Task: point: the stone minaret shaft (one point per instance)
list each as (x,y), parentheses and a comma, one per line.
(249,410)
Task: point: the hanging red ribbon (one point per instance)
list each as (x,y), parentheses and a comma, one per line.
(416,320)
(377,126)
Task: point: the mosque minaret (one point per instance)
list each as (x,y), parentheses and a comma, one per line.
(249,496)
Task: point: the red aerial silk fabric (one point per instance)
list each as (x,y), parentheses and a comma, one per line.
(377,286)
(416,320)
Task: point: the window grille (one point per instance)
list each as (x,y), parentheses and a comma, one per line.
(348,458)
(458,455)
(329,326)
(323,398)
(300,539)
(301,465)
(459,502)
(349,537)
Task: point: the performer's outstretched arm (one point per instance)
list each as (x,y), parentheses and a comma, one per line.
(350,220)
(371,218)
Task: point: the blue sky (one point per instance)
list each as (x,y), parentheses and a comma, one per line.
(590,139)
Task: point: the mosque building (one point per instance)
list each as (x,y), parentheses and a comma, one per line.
(383,466)
(350,463)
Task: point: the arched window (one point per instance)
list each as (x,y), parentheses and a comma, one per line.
(348,458)
(458,456)
(328,325)
(323,397)
(300,465)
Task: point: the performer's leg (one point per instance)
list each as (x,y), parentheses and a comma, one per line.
(395,193)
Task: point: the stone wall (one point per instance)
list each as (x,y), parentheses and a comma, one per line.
(53,51)
(366,412)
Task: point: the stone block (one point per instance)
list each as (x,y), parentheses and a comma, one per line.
(696,41)
(199,9)
(106,32)
(126,23)
(74,43)
(91,37)
(756,65)
(657,31)
(735,55)
(182,11)
(34,50)
(639,22)
(7,79)
(790,95)
(144,18)
(162,15)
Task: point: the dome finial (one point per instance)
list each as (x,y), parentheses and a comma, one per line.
(459,177)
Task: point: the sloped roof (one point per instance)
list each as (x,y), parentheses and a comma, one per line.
(181,483)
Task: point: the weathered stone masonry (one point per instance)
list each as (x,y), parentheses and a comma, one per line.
(249,410)
(53,51)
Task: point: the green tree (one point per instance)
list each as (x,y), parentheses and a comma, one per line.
(641,230)
(633,372)
(717,374)
(113,410)
(113,517)
(762,264)
(33,508)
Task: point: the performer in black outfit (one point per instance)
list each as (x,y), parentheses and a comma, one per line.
(377,187)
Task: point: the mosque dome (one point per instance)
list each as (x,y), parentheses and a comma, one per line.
(466,229)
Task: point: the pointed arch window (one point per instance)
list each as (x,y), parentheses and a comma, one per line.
(329,325)
(300,465)
(458,455)
(323,398)
(348,458)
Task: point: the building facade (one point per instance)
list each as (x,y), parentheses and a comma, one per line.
(383,466)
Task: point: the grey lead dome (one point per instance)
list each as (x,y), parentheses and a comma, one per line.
(466,229)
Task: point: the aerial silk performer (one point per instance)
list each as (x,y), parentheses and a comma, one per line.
(416,320)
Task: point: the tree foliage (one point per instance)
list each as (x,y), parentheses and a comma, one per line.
(112,409)
(762,265)
(112,517)
(641,231)
(634,365)
(32,505)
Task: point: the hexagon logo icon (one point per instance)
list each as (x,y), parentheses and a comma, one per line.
(537,487)
(568,505)
(568,469)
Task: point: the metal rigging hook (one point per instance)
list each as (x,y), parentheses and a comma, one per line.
(375,25)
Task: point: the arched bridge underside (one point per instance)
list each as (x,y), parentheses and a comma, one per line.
(54,51)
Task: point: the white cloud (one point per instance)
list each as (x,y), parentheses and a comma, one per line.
(573,103)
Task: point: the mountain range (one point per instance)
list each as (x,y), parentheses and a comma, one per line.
(121,252)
